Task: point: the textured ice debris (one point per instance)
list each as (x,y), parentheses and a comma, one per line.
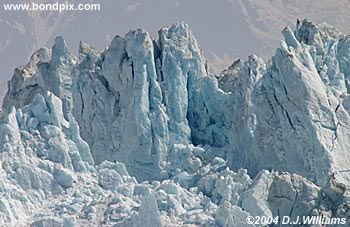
(142,135)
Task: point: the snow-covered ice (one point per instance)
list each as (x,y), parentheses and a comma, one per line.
(140,134)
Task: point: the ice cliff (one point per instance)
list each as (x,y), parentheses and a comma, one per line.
(142,134)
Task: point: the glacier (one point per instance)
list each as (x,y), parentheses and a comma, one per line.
(142,134)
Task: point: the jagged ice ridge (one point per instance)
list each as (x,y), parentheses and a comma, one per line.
(141,134)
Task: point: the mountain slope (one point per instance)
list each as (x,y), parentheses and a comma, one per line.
(258,23)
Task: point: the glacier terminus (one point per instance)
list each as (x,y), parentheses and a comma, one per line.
(143,134)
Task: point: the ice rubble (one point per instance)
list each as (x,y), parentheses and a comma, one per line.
(142,135)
